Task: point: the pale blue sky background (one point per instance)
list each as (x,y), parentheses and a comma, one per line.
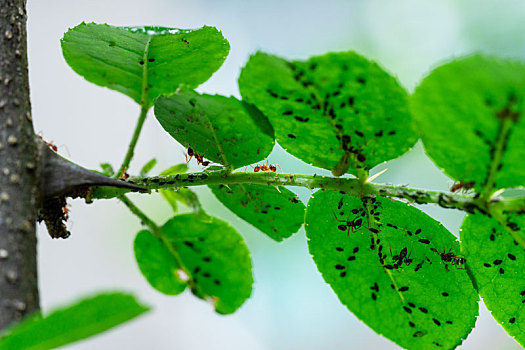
(291,307)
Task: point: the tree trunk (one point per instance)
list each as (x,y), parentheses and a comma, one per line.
(18,171)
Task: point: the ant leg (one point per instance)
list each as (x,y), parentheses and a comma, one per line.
(335,216)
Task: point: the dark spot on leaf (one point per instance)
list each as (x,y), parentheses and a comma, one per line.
(339,249)
(356,249)
(501,271)
(448,322)
(287,112)
(423,310)
(196,270)
(342,274)
(512,320)
(151,60)
(403,289)
(487,265)
(361,80)
(206,274)
(188,244)
(351,258)
(359,133)
(445,294)
(206,258)
(411,324)
(141,62)
(497,262)
(392,133)
(492,237)
(412,305)
(407,309)
(339,267)
(217,282)
(436,322)
(374,296)
(291,136)
(424,241)
(418,334)
(301,119)
(511,257)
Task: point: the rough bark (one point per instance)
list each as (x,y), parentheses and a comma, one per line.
(18,171)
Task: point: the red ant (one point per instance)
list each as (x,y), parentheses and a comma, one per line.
(65,211)
(50,144)
(348,225)
(199,158)
(124,175)
(450,257)
(462,185)
(266,167)
(402,257)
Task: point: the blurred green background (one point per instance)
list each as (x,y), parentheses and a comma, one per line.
(291,307)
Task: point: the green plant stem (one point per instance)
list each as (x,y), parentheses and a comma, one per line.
(131,148)
(145,220)
(144,107)
(351,186)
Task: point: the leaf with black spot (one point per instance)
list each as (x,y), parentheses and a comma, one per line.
(144,62)
(400,287)
(221,129)
(338,111)
(276,212)
(204,252)
(469,114)
(495,261)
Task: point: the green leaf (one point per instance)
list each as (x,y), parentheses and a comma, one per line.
(495,261)
(212,255)
(157,264)
(144,62)
(183,195)
(417,303)
(276,212)
(221,129)
(347,104)
(147,167)
(107,169)
(84,319)
(176,169)
(480,101)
